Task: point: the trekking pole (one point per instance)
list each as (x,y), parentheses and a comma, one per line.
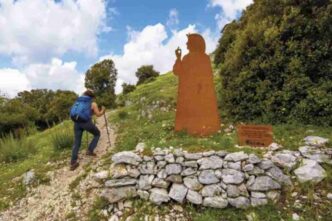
(108,133)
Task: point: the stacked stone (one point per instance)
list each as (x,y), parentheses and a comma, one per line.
(212,179)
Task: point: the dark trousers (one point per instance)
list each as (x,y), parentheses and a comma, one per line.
(78,131)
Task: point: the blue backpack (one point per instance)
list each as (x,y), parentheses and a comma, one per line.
(81,110)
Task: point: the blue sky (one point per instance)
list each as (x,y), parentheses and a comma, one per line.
(50,44)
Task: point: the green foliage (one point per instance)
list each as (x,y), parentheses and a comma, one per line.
(60,105)
(95,212)
(16,115)
(275,63)
(145,74)
(13,150)
(127,88)
(122,115)
(62,138)
(101,78)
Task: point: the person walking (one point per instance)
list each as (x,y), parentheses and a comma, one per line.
(81,113)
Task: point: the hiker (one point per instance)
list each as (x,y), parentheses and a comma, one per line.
(81,113)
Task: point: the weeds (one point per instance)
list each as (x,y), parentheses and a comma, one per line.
(62,138)
(13,150)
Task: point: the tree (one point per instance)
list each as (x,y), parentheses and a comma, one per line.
(60,105)
(40,100)
(275,63)
(127,88)
(101,78)
(145,74)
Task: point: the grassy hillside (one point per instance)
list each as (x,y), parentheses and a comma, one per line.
(45,151)
(148,116)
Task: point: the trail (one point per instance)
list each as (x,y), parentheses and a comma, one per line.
(56,201)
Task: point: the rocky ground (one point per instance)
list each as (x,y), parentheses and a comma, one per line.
(61,197)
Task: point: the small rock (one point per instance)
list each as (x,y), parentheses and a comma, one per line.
(145,182)
(231,176)
(239,202)
(193,156)
(284,160)
(147,168)
(253,159)
(192,183)
(274,146)
(209,153)
(258,195)
(29,177)
(234,165)
(315,141)
(310,171)
(170,158)
(143,194)
(264,183)
(159,196)
(233,191)
(174,178)
(189,171)
(207,177)
(237,156)
(114,218)
(212,162)
(127,157)
(295,217)
(258,201)
(191,164)
(161,183)
(173,169)
(329,196)
(140,147)
(266,164)
(101,175)
(178,192)
(215,202)
(211,190)
(248,167)
(273,195)
(114,195)
(120,182)
(194,197)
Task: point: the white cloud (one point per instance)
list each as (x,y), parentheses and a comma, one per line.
(229,10)
(54,75)
(12,82)
(173,17)
(152,46)
(34,31)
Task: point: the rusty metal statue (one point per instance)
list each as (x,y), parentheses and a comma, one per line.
(197,111)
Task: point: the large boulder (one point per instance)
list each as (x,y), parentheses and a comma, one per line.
(127,157)
(310,171)
(194,197)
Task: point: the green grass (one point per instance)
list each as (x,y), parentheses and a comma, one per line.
(98,205)
(11,188)
(62,138)
(13,150)
(158,131)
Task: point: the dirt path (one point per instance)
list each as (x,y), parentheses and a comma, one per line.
(55,201)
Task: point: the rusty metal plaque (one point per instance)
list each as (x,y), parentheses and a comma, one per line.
(255,135)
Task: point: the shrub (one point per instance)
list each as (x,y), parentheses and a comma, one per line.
(62,138)
(275,63)
(13,150)
(123,115)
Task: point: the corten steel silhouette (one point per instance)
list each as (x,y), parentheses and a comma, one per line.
(197,111)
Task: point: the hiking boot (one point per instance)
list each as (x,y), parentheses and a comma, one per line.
(89,153)
(73,166)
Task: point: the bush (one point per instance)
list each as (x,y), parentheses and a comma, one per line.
(146,74)
(123,115)
(13,150)
(275,63)
(62,138)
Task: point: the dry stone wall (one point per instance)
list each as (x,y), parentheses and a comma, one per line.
(212,179)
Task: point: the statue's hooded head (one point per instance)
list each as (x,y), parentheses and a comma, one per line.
(196,43)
